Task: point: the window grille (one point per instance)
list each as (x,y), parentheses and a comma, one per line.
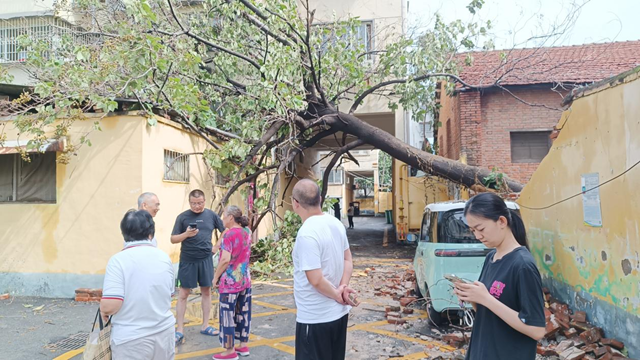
(176,166)
(50,29)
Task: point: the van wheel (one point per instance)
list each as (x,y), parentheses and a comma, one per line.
(417,291)
(434,316)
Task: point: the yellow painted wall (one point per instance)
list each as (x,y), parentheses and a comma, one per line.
(413,194)
(385,200)
(599,134)
(366,203)
(174,195)
(79,233)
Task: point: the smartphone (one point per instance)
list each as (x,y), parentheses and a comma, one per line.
(354,299)
(193,225)
(455,279)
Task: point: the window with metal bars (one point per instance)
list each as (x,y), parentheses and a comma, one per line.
(176,166)
(50,29)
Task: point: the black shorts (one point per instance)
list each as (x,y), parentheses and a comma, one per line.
(325,341)
(192,274)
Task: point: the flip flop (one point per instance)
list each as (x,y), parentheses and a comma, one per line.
(210,331)
(179,338)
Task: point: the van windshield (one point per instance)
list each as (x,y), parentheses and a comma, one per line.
(453,229)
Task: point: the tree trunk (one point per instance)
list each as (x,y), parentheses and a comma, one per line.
(467,175)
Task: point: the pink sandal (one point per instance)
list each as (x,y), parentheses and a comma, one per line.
(243,351)
(232,356)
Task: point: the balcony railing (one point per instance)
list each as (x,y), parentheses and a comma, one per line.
(40,28)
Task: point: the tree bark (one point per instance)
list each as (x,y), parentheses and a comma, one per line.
(455,171)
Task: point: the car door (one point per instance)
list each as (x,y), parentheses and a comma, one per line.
(456,252)
(420,259)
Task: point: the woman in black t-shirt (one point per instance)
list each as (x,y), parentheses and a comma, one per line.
(508,295)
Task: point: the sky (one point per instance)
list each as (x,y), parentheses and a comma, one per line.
(516,21)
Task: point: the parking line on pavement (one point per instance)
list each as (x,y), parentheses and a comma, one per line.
(273,284)
(282,347)
(271,306)
(257,343)
(415,356)
(272,294)
(70,354)
(271,313)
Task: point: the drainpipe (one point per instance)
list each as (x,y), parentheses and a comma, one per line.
(402,225)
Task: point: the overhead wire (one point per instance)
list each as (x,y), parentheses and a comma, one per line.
(582,192)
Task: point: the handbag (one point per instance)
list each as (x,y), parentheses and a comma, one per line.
(99,341)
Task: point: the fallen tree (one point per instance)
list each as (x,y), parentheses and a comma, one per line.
(266,77)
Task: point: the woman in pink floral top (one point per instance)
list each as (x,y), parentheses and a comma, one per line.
(235,284)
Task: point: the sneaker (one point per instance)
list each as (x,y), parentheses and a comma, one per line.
(232,356)
(243,351)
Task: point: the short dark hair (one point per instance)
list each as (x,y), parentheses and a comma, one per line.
(137,225)
(307,193)
(197,193)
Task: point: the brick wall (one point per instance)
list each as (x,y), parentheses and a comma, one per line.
(480,125)
(502,113)
(449,143)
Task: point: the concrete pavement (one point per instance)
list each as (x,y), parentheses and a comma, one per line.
(273,328)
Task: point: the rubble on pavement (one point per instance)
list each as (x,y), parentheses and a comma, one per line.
(87,295)
(568,334)
(570,337)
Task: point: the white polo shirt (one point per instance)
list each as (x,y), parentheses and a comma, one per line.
(141,276)
(320,244)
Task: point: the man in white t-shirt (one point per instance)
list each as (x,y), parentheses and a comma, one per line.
(322,270)
(150,203)
(138,284)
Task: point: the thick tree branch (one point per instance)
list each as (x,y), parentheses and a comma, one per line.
(332,163)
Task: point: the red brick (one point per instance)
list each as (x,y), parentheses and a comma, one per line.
(406,301)
(590,336)
(600,351)
(407,311)
(613,343)
(453,337)
(480,126)
(545,351)
(552,327)
(390,308)
(580,316)
(572,354)
(396,321)
(606,356)
(4,296)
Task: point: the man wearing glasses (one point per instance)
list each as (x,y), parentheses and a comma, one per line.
(194,230)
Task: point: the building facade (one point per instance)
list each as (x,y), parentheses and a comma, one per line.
(506,125)
(586,246)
